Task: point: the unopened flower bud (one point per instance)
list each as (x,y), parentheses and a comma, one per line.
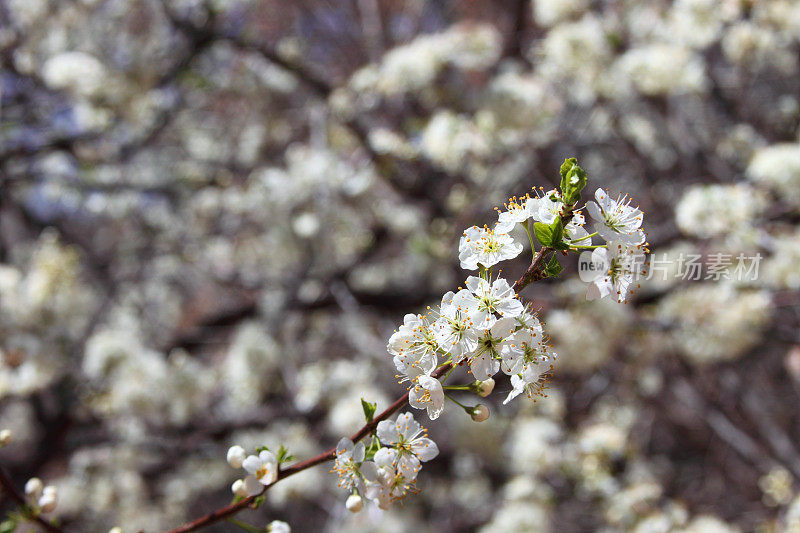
(354,503)
(238,488)
(236,455)
(33,488)
(480,413)
(49,499)
(485,387)
(278,526)
(115,529)
(5,436)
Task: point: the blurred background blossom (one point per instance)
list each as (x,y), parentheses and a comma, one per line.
(213,213)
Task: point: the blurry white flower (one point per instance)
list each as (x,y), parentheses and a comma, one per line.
(78,72)
(264,467)
(657,69)
(48,500)
(710,210)
(551,12)
(778,166)
(485,247)
(5,437)
(427,393)
(408,446)
(33,488)
(616,220)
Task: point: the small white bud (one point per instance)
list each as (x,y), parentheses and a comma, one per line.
(33,488)
(236,455)
(5,437)
(115,529)
(238,488)
(480,413)
(485,388)
(354,503)
(277,526)
(49,499)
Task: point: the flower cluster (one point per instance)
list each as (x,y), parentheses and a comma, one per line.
(262,470)
(396,452)
(41,498)
(486,328)
(620,262)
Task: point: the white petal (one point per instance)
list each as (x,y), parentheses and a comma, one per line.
(425,449)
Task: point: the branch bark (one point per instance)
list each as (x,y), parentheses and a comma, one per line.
(230,510)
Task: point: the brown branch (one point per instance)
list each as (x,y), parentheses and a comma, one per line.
(230,510)
(536,270)
(14,494)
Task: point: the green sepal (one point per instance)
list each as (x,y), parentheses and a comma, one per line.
(553,268)
(573,180)
(372,449)
(369,409)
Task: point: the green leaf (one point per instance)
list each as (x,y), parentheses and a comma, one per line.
(558,231)
(284,456)
(262,449)
(544,233)
(369,409)
(553,268)
(8,526)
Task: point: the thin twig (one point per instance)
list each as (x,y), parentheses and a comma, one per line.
(329,455)
(16,495)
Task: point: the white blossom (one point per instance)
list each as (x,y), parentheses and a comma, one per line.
(348,461)
(546,208)
(264,467)
(454,329)
(616,220)
(408,445)
(517,211)
(485,247)
(427,393)
(385,484)
(617,267)
(486,361)
(487,299)
(414,347)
